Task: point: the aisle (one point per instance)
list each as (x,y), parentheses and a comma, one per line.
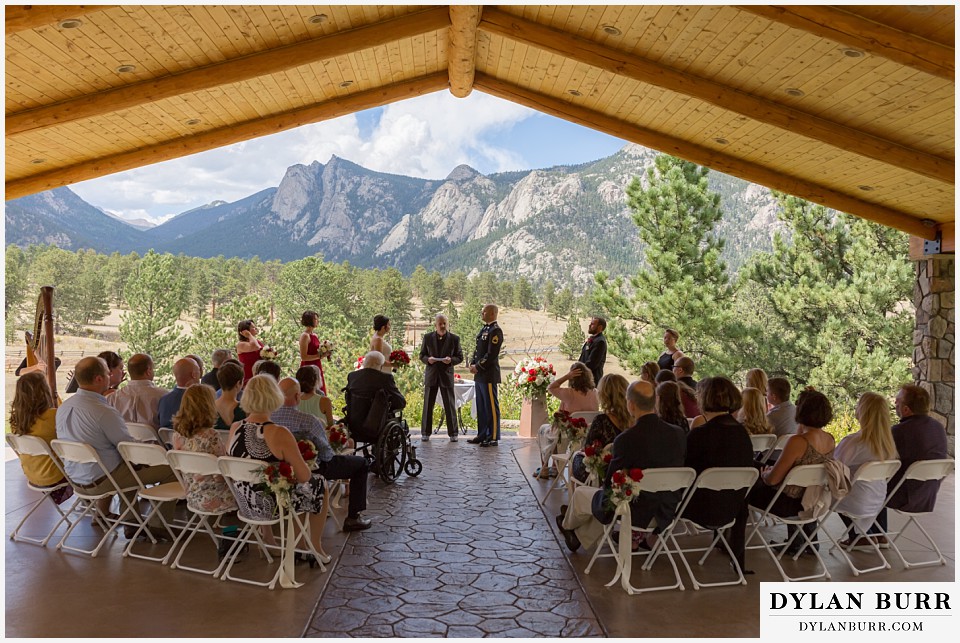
(462,551)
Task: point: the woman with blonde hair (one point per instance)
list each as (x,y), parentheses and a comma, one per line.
(615,418)
(753,414)
(757,378)
(873,442)
(33,413)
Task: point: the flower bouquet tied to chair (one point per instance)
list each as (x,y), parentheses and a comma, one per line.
(573,430)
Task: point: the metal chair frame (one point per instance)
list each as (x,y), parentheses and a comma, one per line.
(35,446)
(141,453)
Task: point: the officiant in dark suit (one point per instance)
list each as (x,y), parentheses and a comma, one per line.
(594,351)
(440,352)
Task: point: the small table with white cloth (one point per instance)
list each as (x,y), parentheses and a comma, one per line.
(463,392)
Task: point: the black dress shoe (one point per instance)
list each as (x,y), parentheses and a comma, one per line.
(357,523)
(476,440)
(489,443)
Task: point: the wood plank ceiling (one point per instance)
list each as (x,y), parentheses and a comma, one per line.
(851,107)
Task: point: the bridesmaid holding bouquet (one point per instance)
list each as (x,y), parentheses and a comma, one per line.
(311,351)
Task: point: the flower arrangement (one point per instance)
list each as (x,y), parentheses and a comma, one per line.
(268,352)
(573,429)
(308,451)
(400,358)
(359,363)
(277,478)
(532,376)
(326,348)
(457,378)
(596,457)
(338,435)
(625,485)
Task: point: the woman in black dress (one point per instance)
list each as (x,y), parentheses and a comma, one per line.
(671,353)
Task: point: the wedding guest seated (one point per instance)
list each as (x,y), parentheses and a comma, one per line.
(612,396)
(33,413)
(580,395)
(683,369)
(197,359)
(648,372)
(362,387)
(186,372)
(757,378)
(872,443)
(227,405)
(917,437)
(753,414)
(193,425)
(649,443)
(139,400)
(115,364)
(669,407)
(811,445)
(217,359)
(721,441)
(664,376)
(331,466)
(312,400)
(782,412)
(268,367)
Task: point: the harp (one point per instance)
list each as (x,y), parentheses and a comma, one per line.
(40,342)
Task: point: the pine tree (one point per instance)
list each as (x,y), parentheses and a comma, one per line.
(432,295)
(157,295)
(523,295)
(549,292)
(562,303)
(573,338)
(683,284)
(15,289)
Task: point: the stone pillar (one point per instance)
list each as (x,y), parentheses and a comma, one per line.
(933,338)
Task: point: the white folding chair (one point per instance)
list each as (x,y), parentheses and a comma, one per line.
(713,479)
(143,432)
(31,445)
(246,470)
(777,446)
(166,436)
(762,443)
(922,470)
(204,464)
(81,453)
(806,475)
(676,479)
(151,455)
(563,461)
(878,472)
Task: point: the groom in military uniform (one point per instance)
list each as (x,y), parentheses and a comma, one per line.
(485,366)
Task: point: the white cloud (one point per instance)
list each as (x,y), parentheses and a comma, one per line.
(425,137)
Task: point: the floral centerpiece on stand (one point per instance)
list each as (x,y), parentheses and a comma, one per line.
(625,485)
(532,377)
(571,428)
(596,457)
(400,358)
(338,435)
(308,451)
(277,478)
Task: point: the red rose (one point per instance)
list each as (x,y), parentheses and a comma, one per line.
(636,473)
(285,469)
(618,477)
(607,457)
(532,378)
(589,451)
(627,492)
(270,471)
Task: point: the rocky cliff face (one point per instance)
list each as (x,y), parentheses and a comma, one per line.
(560,223)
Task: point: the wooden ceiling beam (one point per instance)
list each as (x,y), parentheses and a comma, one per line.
(845,28)
(759,109)
(24,17)
(462,48)
(232,71)
(725,163)
(226,135)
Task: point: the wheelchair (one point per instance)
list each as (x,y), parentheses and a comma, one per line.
(382,436)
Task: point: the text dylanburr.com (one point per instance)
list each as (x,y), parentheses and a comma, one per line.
(858,609)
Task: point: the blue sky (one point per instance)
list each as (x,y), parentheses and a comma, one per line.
(425,137)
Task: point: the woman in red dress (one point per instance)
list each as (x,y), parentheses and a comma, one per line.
(310,354)
(249,347)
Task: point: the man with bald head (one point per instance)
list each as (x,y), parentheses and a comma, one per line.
(139,400)
(354,468)
(187,373)
(485,367)
(440,352)
(87,417)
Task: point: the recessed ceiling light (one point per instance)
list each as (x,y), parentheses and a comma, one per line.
(318,19)
(793,91)
(849,52)
(193,121)
(866,188)
(126,69)
(38,161)
(721,141)
(346,84)
(610,29)
(70,23)
(574,92)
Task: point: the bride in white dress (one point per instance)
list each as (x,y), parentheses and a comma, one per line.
(381,328)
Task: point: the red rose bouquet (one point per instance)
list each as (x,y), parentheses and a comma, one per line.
(596,457)
(308,451)
(277,478)
(574,429)
(338,435)
(625,485)
(400,358)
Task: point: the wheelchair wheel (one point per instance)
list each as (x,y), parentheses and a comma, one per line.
(413,467)
(391,452)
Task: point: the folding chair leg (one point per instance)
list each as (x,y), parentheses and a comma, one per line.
(15,535)
(939,560)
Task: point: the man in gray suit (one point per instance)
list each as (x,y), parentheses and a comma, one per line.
(783,412)
(440,352)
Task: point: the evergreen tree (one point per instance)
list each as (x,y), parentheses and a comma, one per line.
(209,334)
(523,295)
(683,284)
(432,295)
(455,285)
(562,303)
(157,295)
(836,292)
(573,338)
(419,281)
(549,292)
(116,272)
(15,289)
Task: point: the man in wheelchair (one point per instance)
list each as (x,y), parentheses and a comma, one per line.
(372,396)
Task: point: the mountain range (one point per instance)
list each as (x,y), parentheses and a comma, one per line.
(562,223)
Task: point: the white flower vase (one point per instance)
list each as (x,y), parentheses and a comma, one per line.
(533,414)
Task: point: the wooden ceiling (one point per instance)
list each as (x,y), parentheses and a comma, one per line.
(851,107)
